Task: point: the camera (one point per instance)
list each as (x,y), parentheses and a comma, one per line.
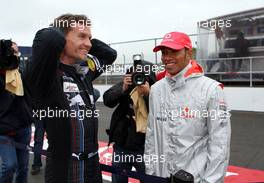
(8,60)
(138,78)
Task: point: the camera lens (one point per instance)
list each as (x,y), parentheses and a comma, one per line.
(138,78)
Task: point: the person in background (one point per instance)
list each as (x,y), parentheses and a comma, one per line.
(241,46)
(129,120)
(15,117)
(38,144)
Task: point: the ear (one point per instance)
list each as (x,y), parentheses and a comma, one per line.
(189,54)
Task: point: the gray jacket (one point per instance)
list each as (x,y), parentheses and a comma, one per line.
(188,127)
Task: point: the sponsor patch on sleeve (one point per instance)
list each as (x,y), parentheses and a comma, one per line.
(91,64)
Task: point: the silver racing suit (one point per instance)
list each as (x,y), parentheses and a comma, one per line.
(188,127)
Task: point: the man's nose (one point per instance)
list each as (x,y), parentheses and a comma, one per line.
(165,58)
(88,44)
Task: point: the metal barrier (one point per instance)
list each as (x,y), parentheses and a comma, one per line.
(127,49)
(224,70)
(236,69)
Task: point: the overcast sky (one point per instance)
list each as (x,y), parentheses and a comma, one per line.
(115,20)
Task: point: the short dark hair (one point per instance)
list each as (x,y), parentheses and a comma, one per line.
(66,21)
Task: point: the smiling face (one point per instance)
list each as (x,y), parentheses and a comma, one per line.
(175,60)
(78,44)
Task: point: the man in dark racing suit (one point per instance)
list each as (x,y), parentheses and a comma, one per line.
(62,90)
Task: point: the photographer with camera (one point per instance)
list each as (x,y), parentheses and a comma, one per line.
(15,116)
(128,123)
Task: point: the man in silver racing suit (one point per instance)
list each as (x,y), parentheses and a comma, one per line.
(188,123)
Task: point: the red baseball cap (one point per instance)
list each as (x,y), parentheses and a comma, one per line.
(175,40)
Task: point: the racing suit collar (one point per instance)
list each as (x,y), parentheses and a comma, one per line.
(75,68)
(190,71)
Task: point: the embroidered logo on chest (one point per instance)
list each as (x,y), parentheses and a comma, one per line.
(70,87)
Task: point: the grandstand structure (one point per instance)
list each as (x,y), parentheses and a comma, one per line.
(214,49)
(216,44)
